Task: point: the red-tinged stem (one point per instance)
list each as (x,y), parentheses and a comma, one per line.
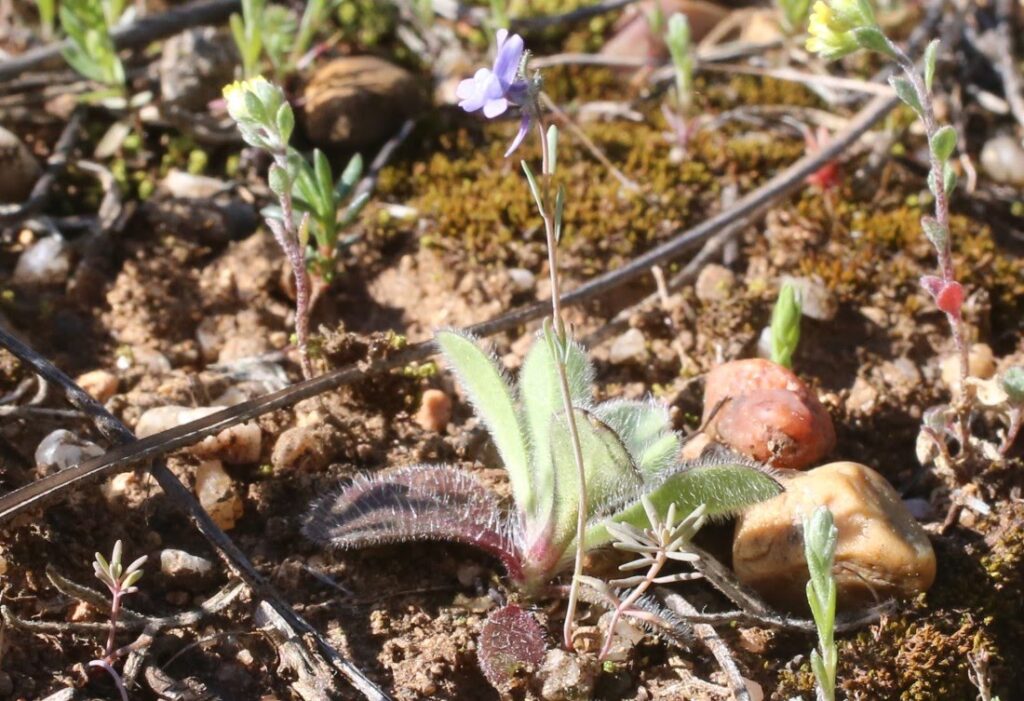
(961,398)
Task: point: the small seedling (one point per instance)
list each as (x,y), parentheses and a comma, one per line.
(841,27)
(662,541)
(273,31)
(677,38)
(120,581)
(785,328)
(308,198)
(90,48)
(47,14)
(820,538)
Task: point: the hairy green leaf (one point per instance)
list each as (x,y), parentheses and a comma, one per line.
(646,430)
(905,91)
(609,472)
(930,54)
(944,142)
(541,394)
(479,373)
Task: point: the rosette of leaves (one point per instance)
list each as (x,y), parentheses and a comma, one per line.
(629,450)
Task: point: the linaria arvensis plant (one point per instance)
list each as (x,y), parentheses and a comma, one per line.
(572,464)
(840,27)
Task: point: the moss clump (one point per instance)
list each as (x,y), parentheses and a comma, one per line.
(479,204)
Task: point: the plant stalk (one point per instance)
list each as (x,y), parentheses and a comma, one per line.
(570,416)
(961,398)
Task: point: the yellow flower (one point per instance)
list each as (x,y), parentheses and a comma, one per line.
(834,24)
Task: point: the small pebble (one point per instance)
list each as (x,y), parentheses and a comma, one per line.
(564,678)
(182,184)
(981,363)
(235,445)
(714,283)
(146,358)
(62,449)
(882,551)
(101,385)
(185,570)
(46,262)
(19,167)
(300,448)
(1002,158)
(435,411)
(217,494)
(194,66)
(630,347)
(522,280)
(816,300)
(626,637)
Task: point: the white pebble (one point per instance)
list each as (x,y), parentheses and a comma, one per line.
(816,301)
(217,494)
(235,445)
(630,347)
(522,279)
(1002,158)
(46,262)
(62,449)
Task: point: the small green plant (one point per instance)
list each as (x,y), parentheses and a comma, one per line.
(785,328)
(663,541)
(120,581)
(90,49)
(841,27)
(820,538)
(273,31)
(47,14)
(793,14)
(677,38)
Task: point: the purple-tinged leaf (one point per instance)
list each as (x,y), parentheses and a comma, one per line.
(419,502)
(511,641)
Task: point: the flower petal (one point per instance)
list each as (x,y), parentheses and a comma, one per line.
(493,108)
(506,63)
(524,127)
(466,89)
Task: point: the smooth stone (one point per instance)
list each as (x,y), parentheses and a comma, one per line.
(882,551)
(300,448)
(358,101)
(522,280)
(19,167)
(435,411)
(45,262)
(217,494)
(630,347)
(635,37)
(62,449)
(816,300)
(194,66)
(770,416)
(981,363)
(1002,158)
(186,570)
(564,678)
(714,283)
(184,185)
(101,385)
(235,445)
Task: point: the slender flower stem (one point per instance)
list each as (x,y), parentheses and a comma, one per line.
(961,397)
(563,379)
(634,595)
(115,614)
(288,238)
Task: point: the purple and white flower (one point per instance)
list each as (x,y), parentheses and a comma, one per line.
(493,90)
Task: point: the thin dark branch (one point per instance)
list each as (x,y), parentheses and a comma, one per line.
(117,433)
(136,35)
(120,458)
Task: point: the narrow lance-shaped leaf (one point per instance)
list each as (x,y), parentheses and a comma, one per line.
(483,381)
(930,55)
(943,143)
(646,430)
(905,91)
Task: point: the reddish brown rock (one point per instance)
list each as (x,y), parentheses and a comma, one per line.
(767,413)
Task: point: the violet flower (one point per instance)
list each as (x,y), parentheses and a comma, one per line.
(494,89)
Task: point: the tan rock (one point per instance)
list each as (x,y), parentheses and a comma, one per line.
(435,411)
(714,283)
(305,448)
(357,101)
(981,363)
(235,445)
(100,384)
(19,167)
(882,551)
(217,494)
